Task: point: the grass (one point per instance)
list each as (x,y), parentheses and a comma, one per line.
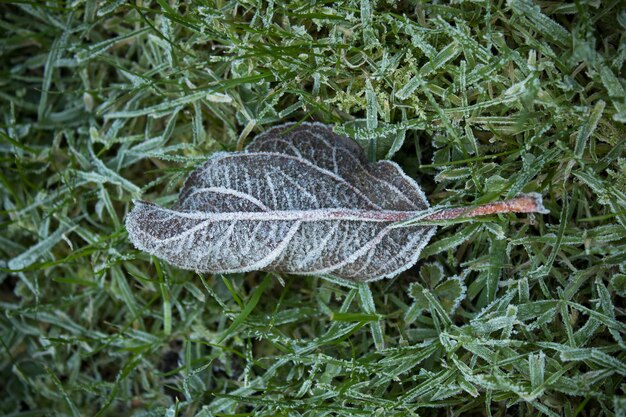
(104,102)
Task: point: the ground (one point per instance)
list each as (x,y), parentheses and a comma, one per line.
(104,102)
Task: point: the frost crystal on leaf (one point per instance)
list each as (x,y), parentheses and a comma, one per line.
(300,200)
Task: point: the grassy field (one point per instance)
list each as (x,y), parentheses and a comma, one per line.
(102,102)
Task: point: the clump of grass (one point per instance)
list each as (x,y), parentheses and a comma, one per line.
(103,102)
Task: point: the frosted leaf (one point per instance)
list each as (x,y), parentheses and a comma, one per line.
(432,273)
(618,281)
(301,200)
(450,293)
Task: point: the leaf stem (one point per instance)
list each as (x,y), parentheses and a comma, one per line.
(523,203)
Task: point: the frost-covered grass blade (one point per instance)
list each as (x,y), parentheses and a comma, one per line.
(103,103)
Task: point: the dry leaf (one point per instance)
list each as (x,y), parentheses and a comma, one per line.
(300,200)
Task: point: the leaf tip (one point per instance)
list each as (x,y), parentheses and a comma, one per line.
(133,223)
